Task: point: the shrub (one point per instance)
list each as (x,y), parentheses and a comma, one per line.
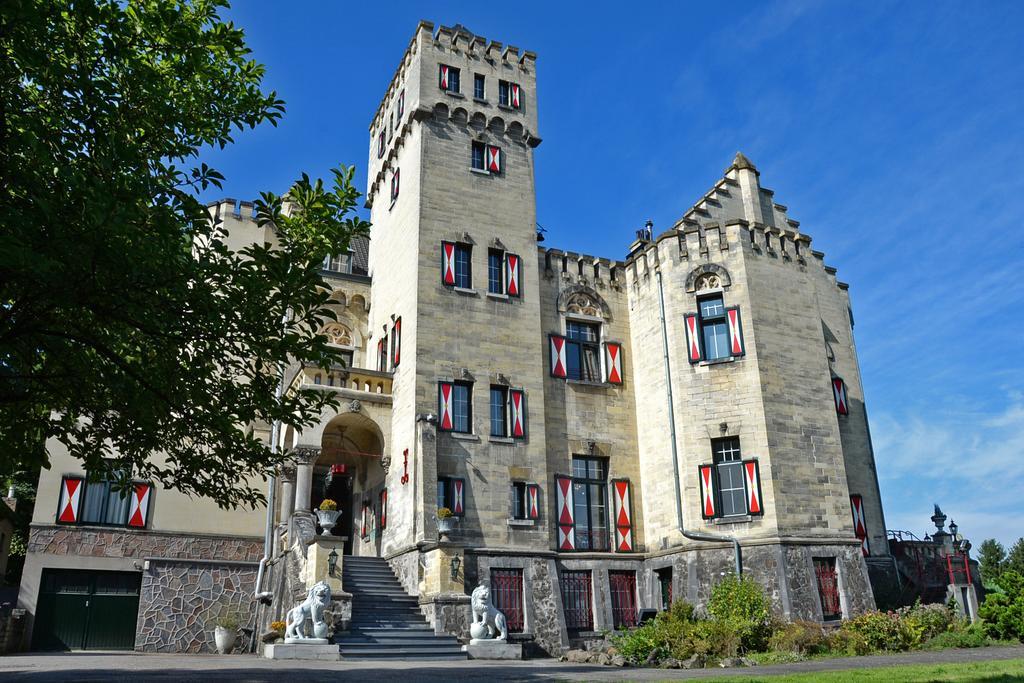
(849,643)
(328,504)
(800,637)
(740,602)
(713,639)
(883,631)
(968,635)
(931,620)
(663,636)
(278,626)
(1003,613)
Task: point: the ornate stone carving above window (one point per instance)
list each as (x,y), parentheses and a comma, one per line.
(581,303)
(583,300)
(707,276)
(338,334)
(708,281)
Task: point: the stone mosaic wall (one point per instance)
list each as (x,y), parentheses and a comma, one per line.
(106,542)
(180,600)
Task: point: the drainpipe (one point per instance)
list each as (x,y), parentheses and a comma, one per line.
(692,535)
(268,532)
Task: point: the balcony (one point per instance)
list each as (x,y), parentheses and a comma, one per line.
(359,383)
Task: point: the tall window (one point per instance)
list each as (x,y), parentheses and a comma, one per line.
(519,510)
(499,412)
(449,78)
(589,490)
(478,156)
(582,351)
(463,266)
(828,587)
(339,263)
(503,97)
(462,407)
(382,354)
(478,86)
(714,328)
(727,460)
(103,504)
(496,271)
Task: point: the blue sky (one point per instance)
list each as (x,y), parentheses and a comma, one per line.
(892,131)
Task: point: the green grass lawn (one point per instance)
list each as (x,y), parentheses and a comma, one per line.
(1000,671)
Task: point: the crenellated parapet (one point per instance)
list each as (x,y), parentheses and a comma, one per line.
(570,268)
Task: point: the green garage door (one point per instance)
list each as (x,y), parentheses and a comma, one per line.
(86,610)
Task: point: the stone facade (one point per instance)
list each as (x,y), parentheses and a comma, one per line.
(181,600)
(651,423)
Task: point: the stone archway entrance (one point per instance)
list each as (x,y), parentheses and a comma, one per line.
(348,470)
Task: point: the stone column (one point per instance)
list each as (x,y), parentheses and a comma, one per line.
(304,459)
(286,473)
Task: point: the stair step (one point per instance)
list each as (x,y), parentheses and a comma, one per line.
(402,653)
(405,644)
(414,638)
(373,631)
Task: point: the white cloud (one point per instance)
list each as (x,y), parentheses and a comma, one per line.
(969,462)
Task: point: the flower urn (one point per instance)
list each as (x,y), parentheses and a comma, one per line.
(327,519)
(224,638)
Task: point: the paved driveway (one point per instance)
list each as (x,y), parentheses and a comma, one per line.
(119,666)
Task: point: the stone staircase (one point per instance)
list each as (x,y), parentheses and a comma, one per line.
(386,621)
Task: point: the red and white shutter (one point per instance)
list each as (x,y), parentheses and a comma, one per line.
(564,513)
(458,497)
(395,179)
(708,494)
(623,510)
(532,501)
(557,355)
(493,159)
(401,104)
(444,406)
(139,508)
(860,525)
(735,331)
(396,340)
(692,338)
(613,362)
(514,95)
(70,499)
(448,263)
(382,359)
(383,508)
(517,418)
(512,271)
(752,484)
(443,77)
(380,145)
(364,521)
(839,393)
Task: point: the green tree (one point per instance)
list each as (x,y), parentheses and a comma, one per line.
(1015,558)
(991,555)
(127,326)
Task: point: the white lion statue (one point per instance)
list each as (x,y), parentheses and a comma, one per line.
(487,615)
(316,601)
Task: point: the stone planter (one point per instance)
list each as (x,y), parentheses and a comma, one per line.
(327,519)
(225,639)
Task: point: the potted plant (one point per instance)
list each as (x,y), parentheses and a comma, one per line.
(444,521)
(327,514)
(226,632)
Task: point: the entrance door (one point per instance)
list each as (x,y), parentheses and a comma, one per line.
(86,610)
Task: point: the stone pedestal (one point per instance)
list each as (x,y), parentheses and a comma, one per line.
(325,652)
(493,649)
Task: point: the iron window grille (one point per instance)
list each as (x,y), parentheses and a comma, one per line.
(577,600)
(507,596)
(623,594)
(828,588)
(590,503)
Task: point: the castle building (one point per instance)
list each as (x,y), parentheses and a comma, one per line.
(605,433)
